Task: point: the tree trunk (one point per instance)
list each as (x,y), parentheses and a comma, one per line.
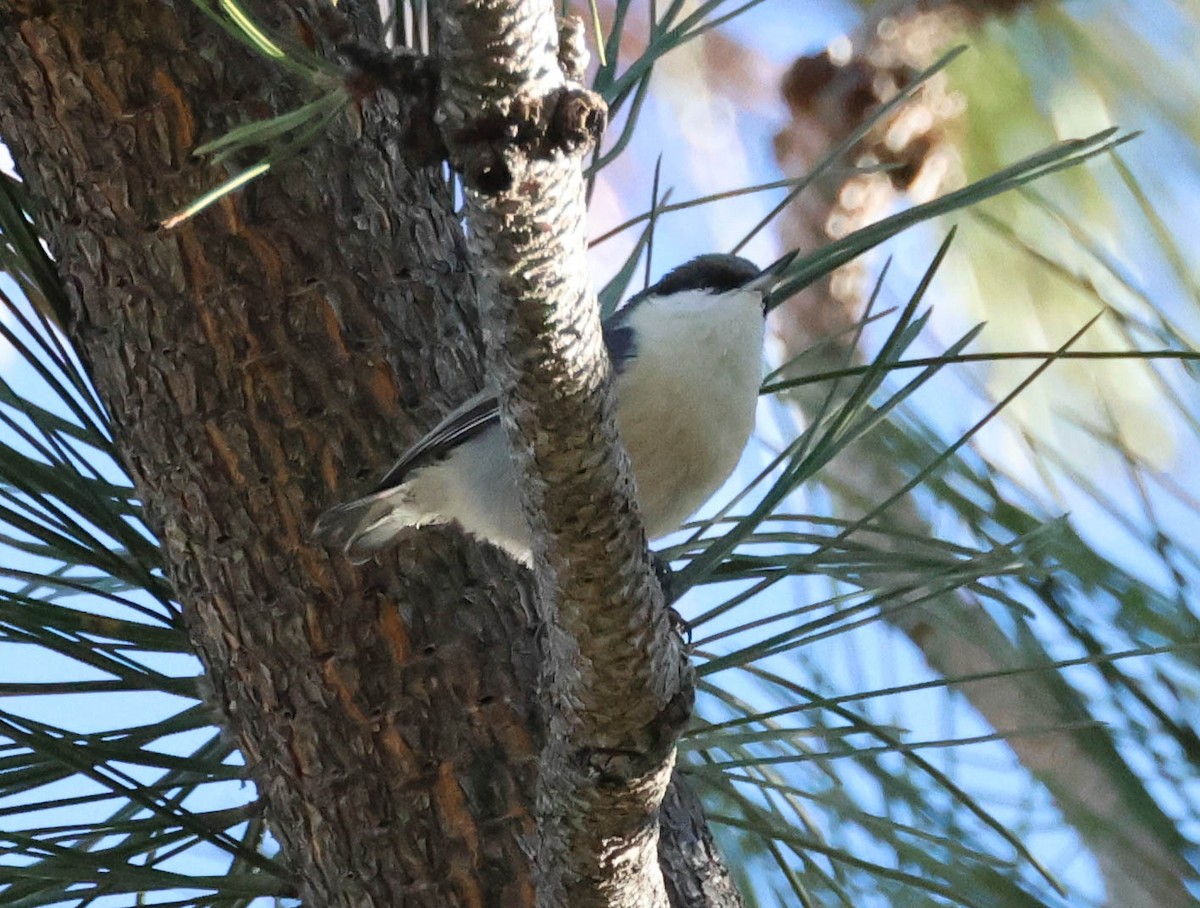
(261,362)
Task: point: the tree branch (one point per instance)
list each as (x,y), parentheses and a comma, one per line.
(616,679)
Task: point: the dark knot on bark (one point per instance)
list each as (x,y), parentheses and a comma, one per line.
(412,78)
(488,151)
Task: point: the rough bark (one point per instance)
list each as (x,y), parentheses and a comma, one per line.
(616,682)
(259,363)
(692,867)
(955,633)
(263,361)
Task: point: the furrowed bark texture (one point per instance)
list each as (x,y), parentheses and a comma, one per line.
(616,681)
(694,870)
(260,363)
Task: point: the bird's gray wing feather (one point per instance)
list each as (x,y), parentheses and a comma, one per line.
(461,424)
(483,411)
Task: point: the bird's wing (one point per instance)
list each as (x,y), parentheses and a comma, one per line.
(461,424)
(483,411)
(619,339)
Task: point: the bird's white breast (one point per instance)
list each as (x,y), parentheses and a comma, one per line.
(685,411)
(687,406)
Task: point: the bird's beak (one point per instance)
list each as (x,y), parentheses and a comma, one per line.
(770,275)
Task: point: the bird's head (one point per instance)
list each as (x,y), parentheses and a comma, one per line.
(718,273)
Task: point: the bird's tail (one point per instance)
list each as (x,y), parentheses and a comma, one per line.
(362,527)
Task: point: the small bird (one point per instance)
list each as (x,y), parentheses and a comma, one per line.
(687,355)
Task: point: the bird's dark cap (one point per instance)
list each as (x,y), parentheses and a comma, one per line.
(718,272)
